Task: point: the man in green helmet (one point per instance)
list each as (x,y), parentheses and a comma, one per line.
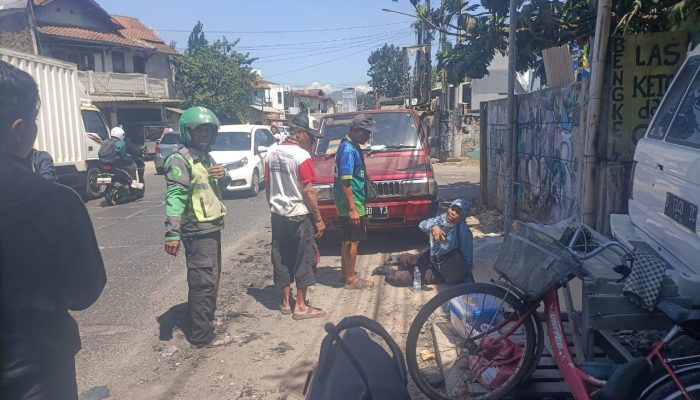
(194,217)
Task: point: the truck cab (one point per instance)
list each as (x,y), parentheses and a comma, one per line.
(397,160)
(665,193)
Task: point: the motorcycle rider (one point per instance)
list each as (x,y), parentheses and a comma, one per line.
(113,151)
(195,215)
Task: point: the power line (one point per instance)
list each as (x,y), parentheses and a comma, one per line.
(267,60)
(290,46)
(324,62)
(289,31)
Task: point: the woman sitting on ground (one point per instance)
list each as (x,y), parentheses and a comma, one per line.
(448,259)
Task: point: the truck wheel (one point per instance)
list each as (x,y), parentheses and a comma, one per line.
(92,190)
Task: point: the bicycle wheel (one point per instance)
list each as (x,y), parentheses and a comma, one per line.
(480,354)
(669,390)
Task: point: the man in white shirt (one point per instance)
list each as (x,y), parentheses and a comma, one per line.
(296,219)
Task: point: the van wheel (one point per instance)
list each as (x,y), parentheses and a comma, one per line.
(254,184)
(92,189)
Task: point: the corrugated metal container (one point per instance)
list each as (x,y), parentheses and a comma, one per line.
(61,130)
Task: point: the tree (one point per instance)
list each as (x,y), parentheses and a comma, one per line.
(483,28)
(214,76)
(387,71)
(365,101)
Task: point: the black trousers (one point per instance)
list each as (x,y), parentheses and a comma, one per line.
(294,252)
(203,254)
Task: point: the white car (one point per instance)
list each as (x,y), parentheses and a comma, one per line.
(241,149)
(665,195)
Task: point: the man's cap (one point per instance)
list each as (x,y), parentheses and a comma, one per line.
(363,122)
(301,121)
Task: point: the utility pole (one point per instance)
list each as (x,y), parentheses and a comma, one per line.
(510,140)
(428,80)
(444,117)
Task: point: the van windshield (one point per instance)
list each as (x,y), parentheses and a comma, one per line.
(392,130)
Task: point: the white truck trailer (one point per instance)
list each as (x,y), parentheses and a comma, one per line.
(61,127)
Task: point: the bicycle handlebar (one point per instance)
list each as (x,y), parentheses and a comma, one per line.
(586,255)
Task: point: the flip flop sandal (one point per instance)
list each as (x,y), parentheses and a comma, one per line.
(310,314)
(342,278)
(285,311)
(219,341)
(360,285)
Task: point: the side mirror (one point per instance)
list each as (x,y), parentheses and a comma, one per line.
(262,149)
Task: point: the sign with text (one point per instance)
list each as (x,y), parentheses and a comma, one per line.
(641,70)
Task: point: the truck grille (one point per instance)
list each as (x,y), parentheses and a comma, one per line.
(389,188)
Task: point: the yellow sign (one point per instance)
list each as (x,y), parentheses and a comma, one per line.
(641,70)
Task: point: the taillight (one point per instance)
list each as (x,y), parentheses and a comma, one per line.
(106,167)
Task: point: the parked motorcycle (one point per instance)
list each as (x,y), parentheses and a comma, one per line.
(117,186)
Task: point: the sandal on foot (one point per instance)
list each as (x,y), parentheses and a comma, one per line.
(285,311)
(218,341)
(310,314)
(360,284)
(383,270)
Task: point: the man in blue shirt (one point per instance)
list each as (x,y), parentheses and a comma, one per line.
(351,197)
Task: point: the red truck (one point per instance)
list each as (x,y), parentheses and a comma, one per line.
(397,157)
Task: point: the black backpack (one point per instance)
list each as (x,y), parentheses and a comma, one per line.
(367,372)
(108,151)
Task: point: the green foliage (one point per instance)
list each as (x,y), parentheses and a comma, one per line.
(214,76)
(387,72)
(483,27)
(365,101)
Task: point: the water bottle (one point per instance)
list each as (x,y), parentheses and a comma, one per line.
(416,279)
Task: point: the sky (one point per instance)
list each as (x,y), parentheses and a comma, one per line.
(303,43)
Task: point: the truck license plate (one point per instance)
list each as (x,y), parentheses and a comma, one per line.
(681,211)
(104,181)
(377,212)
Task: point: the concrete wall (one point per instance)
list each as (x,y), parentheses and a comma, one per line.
(550,146)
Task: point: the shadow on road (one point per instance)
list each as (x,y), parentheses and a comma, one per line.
(270,296)
(377,242)
(458,190)
(171,319)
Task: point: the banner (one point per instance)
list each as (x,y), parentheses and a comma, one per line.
(641,68)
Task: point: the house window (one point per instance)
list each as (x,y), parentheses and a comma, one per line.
(279,97)
(139,64)
(118,62)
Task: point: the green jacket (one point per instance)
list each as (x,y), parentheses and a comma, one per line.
(185,211)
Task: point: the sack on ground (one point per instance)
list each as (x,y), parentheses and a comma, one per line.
(496,363)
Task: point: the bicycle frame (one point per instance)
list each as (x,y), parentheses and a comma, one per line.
(573,375)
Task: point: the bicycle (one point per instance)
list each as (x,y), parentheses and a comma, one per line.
(481,340)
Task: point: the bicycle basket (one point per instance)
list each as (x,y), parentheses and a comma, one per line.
(533,261)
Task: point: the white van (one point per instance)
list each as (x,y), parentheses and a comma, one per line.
(665,195)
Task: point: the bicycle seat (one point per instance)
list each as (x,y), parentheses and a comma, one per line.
(688,320)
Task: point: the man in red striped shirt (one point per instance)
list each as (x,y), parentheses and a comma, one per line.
(296,219)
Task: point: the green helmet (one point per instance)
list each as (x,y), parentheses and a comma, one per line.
(194,117)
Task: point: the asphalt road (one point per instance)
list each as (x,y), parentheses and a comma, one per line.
(129,349)
(141,277)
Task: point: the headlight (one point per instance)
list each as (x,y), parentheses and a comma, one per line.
(237,164)
(324,192)
(419,187)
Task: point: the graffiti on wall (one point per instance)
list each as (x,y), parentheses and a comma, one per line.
(550,146)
